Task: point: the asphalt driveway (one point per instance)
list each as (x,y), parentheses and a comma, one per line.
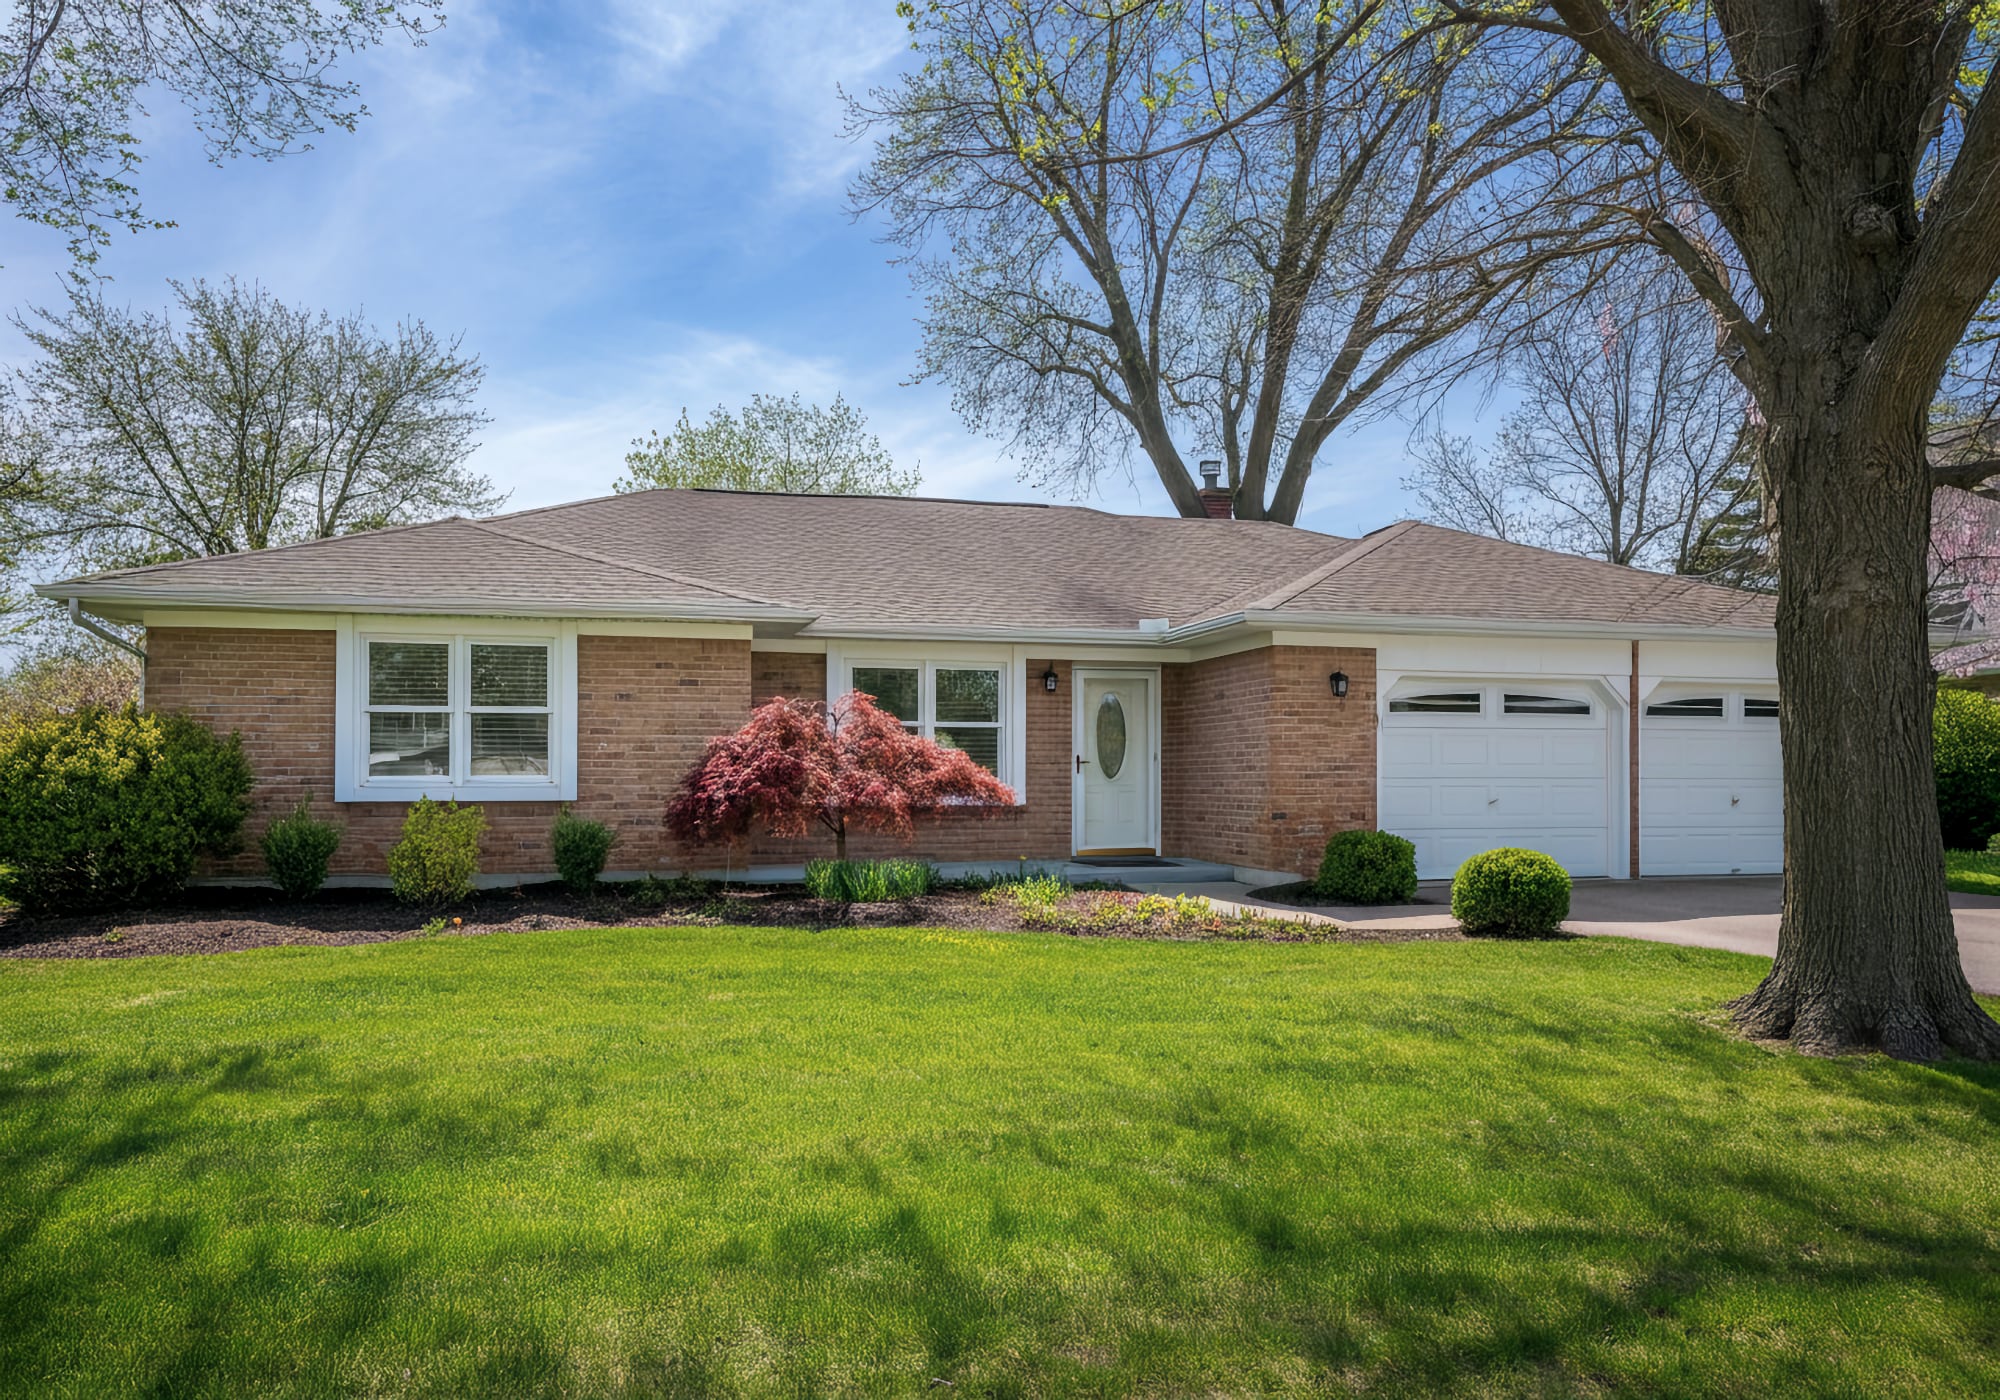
(1739,913)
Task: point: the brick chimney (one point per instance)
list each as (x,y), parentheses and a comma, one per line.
(1215,498)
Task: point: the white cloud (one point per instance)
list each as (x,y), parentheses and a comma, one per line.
(776,70)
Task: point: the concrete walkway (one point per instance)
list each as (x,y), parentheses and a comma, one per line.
(1739,914)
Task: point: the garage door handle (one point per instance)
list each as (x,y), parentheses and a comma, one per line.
(1733,800)
(1491,800)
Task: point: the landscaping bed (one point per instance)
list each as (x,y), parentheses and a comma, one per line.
(209,919)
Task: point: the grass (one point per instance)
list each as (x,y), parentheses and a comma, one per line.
(765,1162)
(1972,872)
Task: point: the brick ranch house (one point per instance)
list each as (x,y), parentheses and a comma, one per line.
(1220,690)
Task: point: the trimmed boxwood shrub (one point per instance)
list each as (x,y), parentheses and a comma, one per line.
(439,854)
(1367,867)
(1965,751)
(106,806)
(297,850)
(1510,893)
(581,847)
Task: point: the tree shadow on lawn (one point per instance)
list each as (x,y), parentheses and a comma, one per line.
(181,1217)
(1563,1251)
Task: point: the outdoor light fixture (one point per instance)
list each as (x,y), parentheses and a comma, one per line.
(1339,682)
(1049,679)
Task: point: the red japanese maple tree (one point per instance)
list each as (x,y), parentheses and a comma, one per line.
(796,764)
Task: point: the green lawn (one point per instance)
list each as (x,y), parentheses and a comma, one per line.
(721,1161)
(1972,872)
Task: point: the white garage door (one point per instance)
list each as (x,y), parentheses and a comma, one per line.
(1711,784)
(1468,767)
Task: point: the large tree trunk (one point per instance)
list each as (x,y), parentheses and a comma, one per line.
(1867,954)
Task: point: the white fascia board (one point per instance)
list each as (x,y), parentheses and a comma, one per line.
(1379,623)
(240,618)
(432,605)
(1022,636)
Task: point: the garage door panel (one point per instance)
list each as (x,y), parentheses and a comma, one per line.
(1487,782)
(1465,753)
(1520,751)
(1406,802)
(1461,804)
(1408,749)
(1711,797)
(1581,754)
(1578,802)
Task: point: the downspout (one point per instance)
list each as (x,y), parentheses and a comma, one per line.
(1632,733)
(78,617)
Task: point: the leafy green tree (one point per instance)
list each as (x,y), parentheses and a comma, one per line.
(247,424)
(256,76)
(773,444)
(1834,186)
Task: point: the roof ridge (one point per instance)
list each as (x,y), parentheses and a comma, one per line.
(1367,545)
(669,575)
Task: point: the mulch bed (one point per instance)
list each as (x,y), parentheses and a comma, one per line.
(222,920)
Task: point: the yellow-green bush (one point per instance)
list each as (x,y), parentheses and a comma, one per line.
(438,855)
(106,807)
(1510,893)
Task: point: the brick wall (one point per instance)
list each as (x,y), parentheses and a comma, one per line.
(1259,762)
(1038,830)
(645,707)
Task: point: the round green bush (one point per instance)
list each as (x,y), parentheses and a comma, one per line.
(104,807)
(439,853)
(581,847)
(1367,867)
(1965,752)
(297,849)
(1510,893)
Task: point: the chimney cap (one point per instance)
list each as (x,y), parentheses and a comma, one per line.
(1211,474)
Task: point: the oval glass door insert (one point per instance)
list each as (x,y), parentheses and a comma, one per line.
(1110,735)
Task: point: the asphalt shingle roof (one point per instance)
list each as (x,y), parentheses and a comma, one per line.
(896,561)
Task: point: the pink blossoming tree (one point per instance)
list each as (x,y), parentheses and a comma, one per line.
(796,765)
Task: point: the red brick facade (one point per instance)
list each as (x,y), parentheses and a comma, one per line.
(1038,830)
(1259,761)
(645,708)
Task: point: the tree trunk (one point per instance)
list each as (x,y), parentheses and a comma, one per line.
(1867,953)
(840,838)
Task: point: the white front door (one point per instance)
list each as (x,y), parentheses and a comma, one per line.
(1115,763)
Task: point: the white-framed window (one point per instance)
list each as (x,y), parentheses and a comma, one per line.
(434,708)
(968,700)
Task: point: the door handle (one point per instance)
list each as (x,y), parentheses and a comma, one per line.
(1079,763)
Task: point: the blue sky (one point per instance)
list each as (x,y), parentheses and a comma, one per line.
(625,208)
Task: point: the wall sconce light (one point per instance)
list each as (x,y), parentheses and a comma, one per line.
(1050,678)
(1338,680)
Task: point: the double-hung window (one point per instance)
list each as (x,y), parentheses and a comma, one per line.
(461,714)
(960,704)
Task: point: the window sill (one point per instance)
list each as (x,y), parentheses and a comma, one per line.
(542,791)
